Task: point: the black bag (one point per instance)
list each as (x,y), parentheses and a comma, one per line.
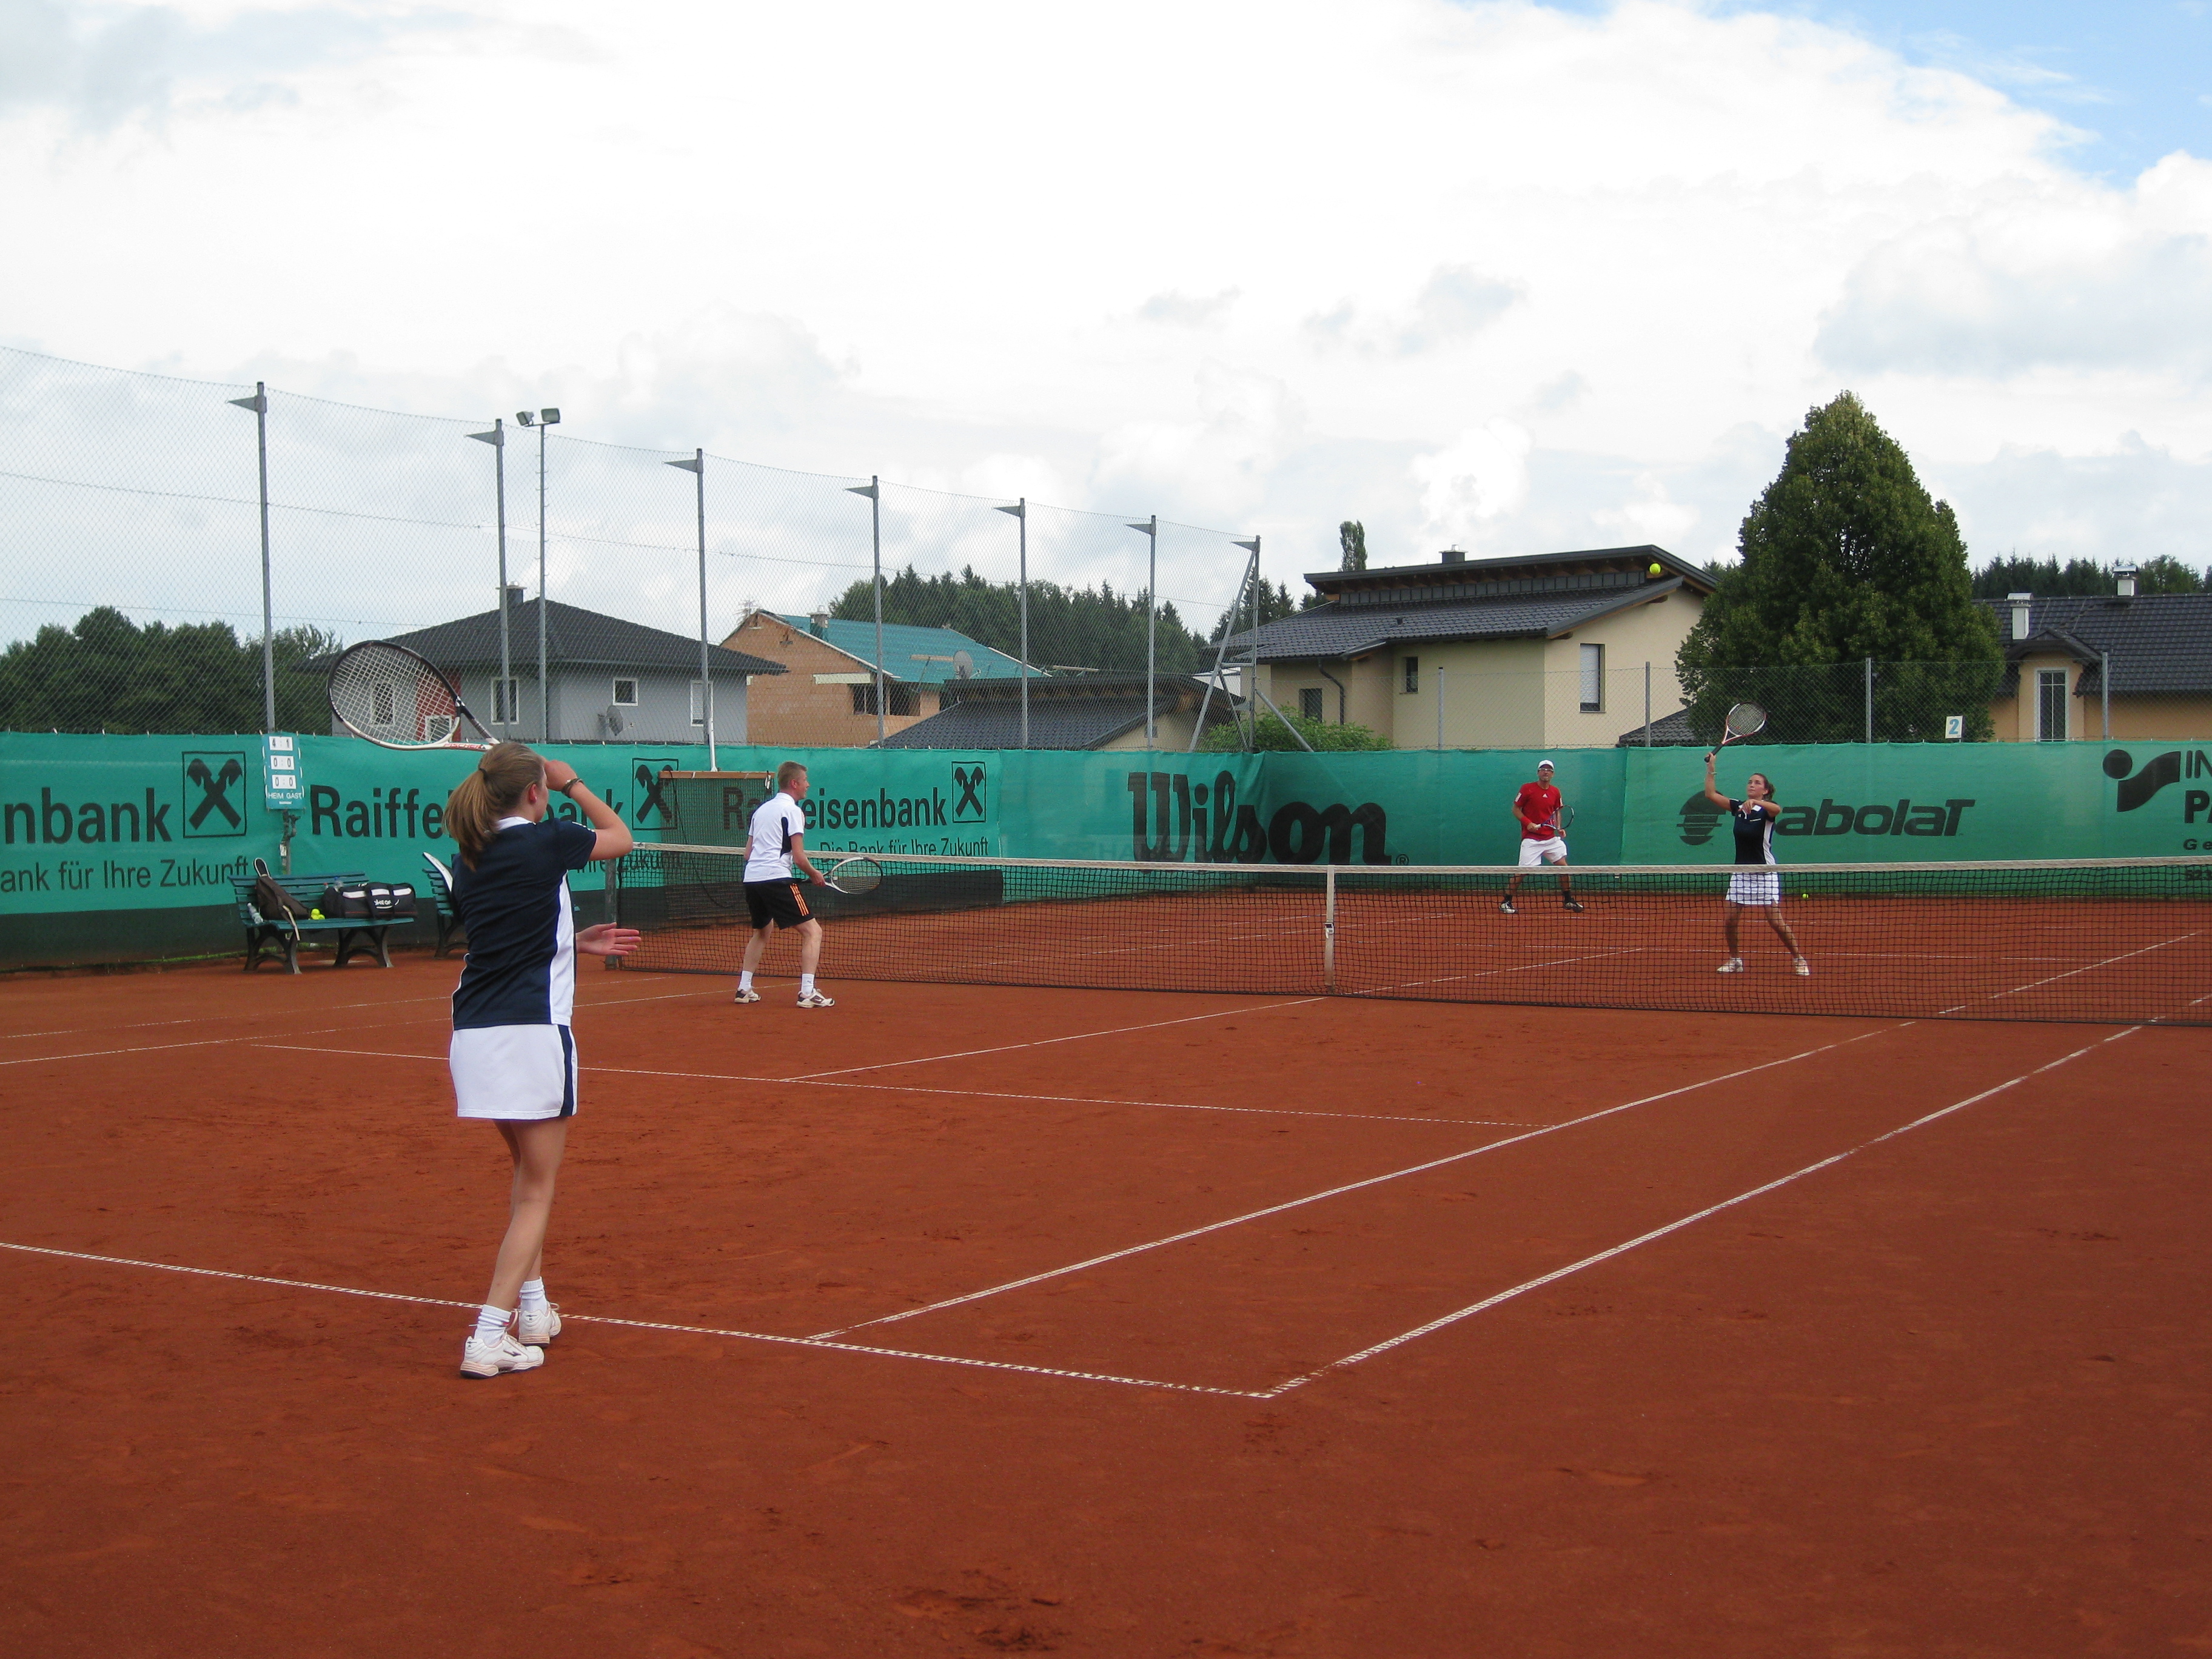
(274,903)
(370,900)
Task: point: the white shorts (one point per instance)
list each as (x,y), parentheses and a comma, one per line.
(519,1073)
(1755,887)
(1536,852)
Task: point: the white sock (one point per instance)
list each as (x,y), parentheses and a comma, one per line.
(745,978)
(806,985)
(533,1296)
(491,1322)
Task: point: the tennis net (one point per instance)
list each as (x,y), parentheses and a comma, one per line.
(2119,940)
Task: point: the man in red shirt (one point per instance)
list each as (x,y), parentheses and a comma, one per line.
(1537,808)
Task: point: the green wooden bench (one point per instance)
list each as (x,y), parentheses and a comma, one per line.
(280,939)
(449,920)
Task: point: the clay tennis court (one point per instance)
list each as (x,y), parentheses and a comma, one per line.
(974,1319)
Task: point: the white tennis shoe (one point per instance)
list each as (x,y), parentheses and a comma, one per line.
(535,1330)
(748,994)
(816,999)
(1801,968)
(505,1354)
(1732,965)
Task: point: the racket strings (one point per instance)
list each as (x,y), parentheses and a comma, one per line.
(392,695)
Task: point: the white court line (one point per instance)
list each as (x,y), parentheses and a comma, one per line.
(1558,1273)
(2086,967)
(249,1037)
(644,1324)
(1350,1186)
(964,1094)
(1046,1042)
(1518,967)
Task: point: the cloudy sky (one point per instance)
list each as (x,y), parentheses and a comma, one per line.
(1510,276)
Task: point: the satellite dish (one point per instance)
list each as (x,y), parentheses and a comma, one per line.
(614,719)
(963,666)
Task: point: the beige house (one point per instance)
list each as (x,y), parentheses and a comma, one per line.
(1553,650)
(2160,649)
(827,695)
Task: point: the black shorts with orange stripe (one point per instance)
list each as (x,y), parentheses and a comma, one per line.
(782,902)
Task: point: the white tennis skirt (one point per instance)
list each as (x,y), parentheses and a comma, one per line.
(520,1072)
(1755,887)
(1534,853)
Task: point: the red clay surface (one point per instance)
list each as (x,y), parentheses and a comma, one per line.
(1941,1396)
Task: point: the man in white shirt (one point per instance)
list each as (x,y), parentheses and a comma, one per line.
(773,898)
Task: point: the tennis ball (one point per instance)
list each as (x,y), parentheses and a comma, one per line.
(1657,570)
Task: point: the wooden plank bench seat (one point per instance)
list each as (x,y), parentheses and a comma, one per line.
(276,940)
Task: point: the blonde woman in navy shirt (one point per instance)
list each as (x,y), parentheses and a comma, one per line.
(513,1057)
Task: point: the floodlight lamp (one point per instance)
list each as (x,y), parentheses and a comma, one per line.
(550,417)
(524,417)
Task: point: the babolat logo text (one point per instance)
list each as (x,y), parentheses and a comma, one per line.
(2137,789)
(1174,821)
(1700,818)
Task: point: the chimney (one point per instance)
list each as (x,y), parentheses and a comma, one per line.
(1452,555)
(2021,604)
(514,595)
(818,623)
(2126,572)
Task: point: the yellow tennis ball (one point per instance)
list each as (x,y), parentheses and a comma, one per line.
(1657,570)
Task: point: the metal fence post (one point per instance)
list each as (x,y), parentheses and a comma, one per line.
(1151,528)
(2104,687)
(1440,705)
(1869,699)
(1328,934)
(1020,511)
(874,490)
(501,696)
(697,464)
(259,403)
(1647,704)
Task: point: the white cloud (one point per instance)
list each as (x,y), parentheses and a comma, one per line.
(1572,278)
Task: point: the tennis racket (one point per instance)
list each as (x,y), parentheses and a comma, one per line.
(855,875)
(1744,719)
(1562,821)
(397,700)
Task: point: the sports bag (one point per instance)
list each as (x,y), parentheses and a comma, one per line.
(274,903)
(368,901)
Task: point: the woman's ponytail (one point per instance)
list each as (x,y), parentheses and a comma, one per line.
(490,794)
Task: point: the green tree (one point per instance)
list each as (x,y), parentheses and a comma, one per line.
(2048,579)
(1274,734)
(2167,574)
(1844,556)
(107,674)
(1275,604)
(1351,536)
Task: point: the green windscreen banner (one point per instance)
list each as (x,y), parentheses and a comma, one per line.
(119,848)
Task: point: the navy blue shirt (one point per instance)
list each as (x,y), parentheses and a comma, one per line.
(1754,832)
(522,954)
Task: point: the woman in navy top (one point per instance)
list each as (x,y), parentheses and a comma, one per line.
(514,1058)
(1758,887)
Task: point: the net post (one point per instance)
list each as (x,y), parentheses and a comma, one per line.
(613,903)
(1328,934)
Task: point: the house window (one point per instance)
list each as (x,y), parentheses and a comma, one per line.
(1593,679)
(901,699)
(625,695)
(1413,666)
(1310,702)
(503,702)
(2051,705)
(698,702)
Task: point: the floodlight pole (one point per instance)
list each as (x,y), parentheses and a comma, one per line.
(259,403)
(504,696)
(1020,510)
(1150,528)
(874,490)
(696,464)
(542,419)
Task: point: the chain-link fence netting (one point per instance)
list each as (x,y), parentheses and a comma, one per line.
(575,591)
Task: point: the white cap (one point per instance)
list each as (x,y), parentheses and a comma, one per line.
(1545,765)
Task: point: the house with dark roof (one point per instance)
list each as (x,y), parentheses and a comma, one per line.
(1066,711)
(605,679)
(2158,646)
(828,700)
(1533,651)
